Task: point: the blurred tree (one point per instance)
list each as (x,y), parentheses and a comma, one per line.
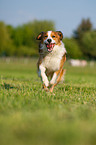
(18,36)
(10,30)
(5,41)
(72,48)
(85,26)
(86,37)
(89,44)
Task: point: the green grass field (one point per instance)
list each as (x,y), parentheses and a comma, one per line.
(31,116)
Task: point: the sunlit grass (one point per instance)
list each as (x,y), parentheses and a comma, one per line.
(29,115)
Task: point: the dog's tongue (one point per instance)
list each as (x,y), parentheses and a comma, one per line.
(50,46)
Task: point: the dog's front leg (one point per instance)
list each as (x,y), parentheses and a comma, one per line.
(54,80)
(43,77)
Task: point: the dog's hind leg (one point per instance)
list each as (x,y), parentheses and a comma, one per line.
(59,78)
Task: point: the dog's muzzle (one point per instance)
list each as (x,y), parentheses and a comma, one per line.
(50,46)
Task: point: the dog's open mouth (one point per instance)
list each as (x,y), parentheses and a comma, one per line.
(50,46)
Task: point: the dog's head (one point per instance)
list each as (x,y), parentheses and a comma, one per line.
(50,39)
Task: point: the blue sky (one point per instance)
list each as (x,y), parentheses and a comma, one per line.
(66,14)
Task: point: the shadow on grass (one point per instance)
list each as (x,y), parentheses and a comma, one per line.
(8,86)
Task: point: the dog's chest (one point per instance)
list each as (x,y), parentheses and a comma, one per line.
(52,61)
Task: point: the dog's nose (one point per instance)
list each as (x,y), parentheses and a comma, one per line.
(49,40)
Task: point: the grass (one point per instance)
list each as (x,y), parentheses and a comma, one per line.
(29,115)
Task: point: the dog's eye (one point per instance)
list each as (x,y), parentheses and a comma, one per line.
(53,36)
(45,36)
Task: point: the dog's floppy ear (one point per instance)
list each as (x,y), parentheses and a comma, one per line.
(40,36)
(60,34)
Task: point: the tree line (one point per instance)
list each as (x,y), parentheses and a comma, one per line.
(21,40)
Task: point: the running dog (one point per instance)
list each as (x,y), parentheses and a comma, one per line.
(51,59)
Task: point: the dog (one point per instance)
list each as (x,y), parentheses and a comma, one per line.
(52,55)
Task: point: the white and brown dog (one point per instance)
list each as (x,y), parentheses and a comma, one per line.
(52,57)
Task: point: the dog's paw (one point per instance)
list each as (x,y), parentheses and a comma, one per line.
(51,89)
(45,88)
